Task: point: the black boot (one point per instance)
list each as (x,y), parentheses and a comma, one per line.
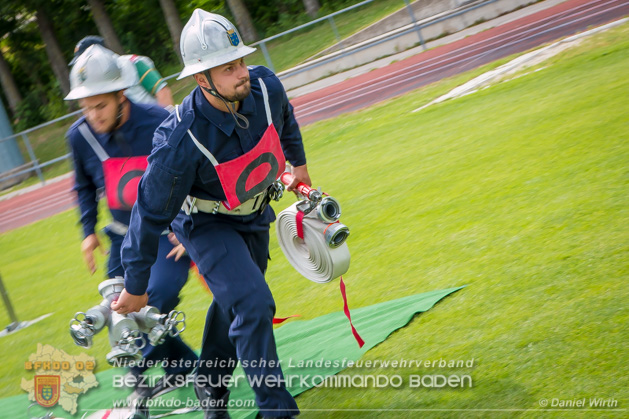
(213,407)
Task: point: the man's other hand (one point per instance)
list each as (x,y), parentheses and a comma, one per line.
(89,244)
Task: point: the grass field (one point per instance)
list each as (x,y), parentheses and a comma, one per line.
(519,191)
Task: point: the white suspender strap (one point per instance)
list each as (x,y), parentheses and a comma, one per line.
(265,95)
(205,151)
(93,142)
(200,146)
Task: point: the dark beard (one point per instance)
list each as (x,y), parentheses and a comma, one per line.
(238,97)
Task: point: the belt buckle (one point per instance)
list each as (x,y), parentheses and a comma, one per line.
(265,199)
(190,204)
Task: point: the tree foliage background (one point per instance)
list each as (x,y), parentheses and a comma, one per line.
(140,26)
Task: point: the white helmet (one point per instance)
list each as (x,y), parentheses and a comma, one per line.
(97,71)
(209,40)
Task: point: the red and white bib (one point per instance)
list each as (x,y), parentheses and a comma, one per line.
(250,174)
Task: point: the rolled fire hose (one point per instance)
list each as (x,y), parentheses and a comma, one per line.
(315,244)
(312,257)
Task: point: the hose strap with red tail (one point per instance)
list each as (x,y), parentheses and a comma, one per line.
(314,241)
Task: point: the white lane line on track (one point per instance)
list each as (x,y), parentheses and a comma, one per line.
(24,200)
(53,201)
(459,63)
(390,79)
(463,50)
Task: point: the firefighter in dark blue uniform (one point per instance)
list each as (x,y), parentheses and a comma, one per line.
(218,155)
(109,144)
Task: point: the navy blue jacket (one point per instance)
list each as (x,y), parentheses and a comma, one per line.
(137,134)
(177,168)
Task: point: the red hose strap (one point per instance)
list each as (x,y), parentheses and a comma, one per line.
(360,340)
(278,320)
(299,221)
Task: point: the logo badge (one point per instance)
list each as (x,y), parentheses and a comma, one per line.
(59,379)
(47,389)
(82,74)
(233,37)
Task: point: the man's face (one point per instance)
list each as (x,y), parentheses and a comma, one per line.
(101,111)
(232,80)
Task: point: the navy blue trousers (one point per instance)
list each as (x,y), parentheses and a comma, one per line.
(239,323)
(166,281)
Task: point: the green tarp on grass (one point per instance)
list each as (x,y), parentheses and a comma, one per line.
(309,351)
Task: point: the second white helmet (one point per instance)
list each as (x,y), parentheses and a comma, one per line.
(97,71)
(209,40)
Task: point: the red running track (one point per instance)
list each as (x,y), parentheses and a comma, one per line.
(474,51)
(565,19)
(36,205)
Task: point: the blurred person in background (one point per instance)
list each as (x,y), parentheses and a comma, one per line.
(110,144)
(150,86)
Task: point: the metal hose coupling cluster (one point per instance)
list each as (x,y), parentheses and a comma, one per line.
(327,209)
(126,331)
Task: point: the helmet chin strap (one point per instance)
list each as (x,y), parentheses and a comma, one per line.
(118,116)
(120,140)
(231,106)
